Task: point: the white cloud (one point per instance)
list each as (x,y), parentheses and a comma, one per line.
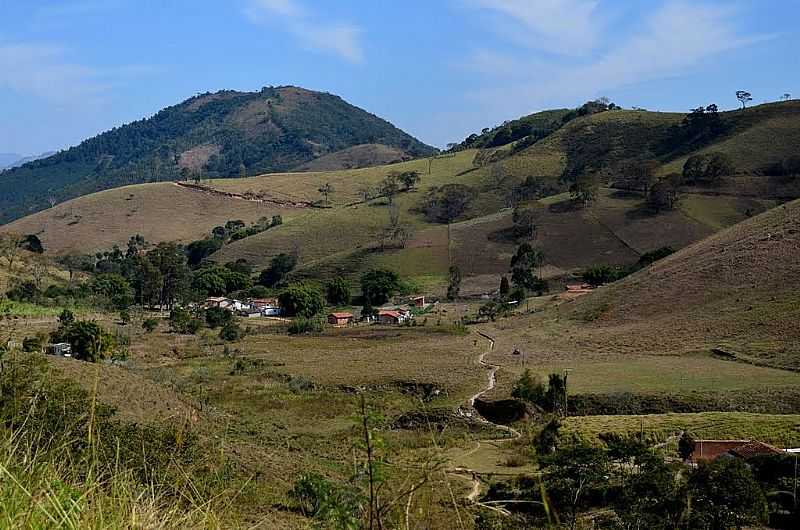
(673,40)
(44,71)
(340,39)
(566,27)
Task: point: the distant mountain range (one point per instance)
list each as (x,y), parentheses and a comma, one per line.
(12,160)
(215,135)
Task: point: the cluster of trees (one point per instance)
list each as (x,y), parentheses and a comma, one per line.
(707,169)
(445,204)
(89,341)
(234,230)
(524,278)
(641,488)
(598,275)
(551,398)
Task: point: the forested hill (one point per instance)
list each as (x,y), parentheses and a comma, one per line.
(224,134)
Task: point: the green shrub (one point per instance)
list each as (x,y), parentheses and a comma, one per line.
(231,332)
(150,324)
(302,325)
(217,317)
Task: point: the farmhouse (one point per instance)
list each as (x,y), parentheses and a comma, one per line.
(709,450)
(393,317)
(268,307)
(340,320)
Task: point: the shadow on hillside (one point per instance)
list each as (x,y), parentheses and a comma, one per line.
(642,211)
(569,205)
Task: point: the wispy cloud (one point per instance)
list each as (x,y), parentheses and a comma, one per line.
(672,40)
(340,39)
(566,27)
(46,72)
(43,70)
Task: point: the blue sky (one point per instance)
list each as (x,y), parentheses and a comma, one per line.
(439,69)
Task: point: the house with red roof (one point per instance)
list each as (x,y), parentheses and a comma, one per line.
(340,320)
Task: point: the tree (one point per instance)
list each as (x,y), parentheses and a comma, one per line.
(686,446)
(529,388)
(114,288)
(651,495)
(555,399)
(523,264)
(409,179)
(585,188)
(88,340)
(505,288)
(601,274)
(302,299)
(9,247)
(524,220)
(32,243)
(197,251)
(723,494)
(390,187)
(490,310)
(168,259)
(231,331)
(326,190)
(280,266)
(572,476)
(378,286)
(665,194)
(447,203)
(217,317)
(454,282)
(338,292)
(719,165)
(642,174)
(786,97)
(694,169)
(744,97)
(365,192)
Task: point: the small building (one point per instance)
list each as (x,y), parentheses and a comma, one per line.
(215,301)
(340,320)
(62,349)
(710,450)
(393,317)
(418,302)
(268,307)
(250,313)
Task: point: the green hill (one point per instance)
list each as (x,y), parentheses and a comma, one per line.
(224,134)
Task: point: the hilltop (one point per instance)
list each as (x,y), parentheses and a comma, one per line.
(223,134)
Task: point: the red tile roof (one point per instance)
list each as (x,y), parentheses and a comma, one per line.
(755,449)
(341,315)
(394,314)
(713,449)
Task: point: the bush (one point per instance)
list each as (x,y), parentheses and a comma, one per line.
(181,321)
(217,317)
(529,388)
(306,325)
(32,344)
(302,299)
(88,340)
(378,286)
(150,324)
(602,274)
(338,292)
(231,332)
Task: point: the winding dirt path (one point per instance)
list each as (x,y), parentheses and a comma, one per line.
(471,412)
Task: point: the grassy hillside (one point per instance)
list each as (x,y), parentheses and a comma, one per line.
(224,134)
(657,330)
(341,238)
